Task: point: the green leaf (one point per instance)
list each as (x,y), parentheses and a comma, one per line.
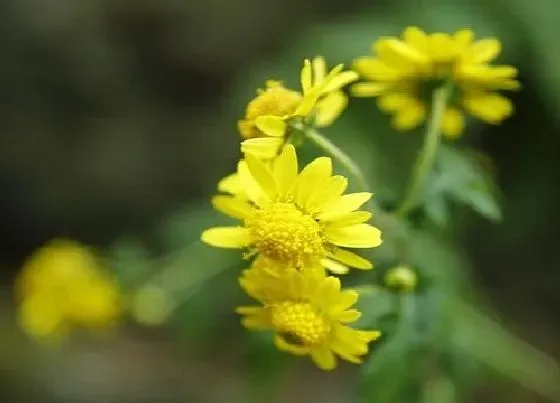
(464,178)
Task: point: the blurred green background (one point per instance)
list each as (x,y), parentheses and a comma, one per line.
(117,118)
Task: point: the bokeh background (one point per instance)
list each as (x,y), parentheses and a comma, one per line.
(118,117)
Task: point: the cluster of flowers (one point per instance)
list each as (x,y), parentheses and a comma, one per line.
(297,225)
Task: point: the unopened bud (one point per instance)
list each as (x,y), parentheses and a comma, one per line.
(401,278)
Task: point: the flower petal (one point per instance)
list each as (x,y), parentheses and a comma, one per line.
(285,170)
(442,48)
(492,108)
(409,117)
(351,259)
(262,147)
(232,206)
(231,184)
(282,345)
(452,123)
(273,126)
(260,171)
(340,80)
(312,178)
(483,51)
(306,76)
(343,205)
(334,187)
(323,357)
(329,108)
(226,237)
(375,69)
(355,236)
(364,90)
(416,38)
(252,188)
(355,217)
(348,316)
(335,267)
(319,66)
(399,55)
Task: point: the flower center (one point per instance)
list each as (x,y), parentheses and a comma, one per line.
(283,233)
(300,322)
(275,100)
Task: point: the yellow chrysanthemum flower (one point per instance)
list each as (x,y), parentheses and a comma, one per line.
(309,313)
(321,101)
(405,69)
(62,285)
(295,219)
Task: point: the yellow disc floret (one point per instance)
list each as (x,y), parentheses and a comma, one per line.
(300,321)
(281,232)
(275,100)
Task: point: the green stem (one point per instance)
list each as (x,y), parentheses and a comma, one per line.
(425,160)
(339,155)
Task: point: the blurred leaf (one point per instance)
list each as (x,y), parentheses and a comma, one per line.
(374,303)
(490,343)
(462,177)
(131,261)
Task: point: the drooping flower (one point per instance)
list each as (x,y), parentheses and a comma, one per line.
(404,69)
(61,286)
(295,219)
(309,313)
(266,124)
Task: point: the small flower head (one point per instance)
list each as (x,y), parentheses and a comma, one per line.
(294,219)
(62,285)
(309,314)
(269,115)
(406,68)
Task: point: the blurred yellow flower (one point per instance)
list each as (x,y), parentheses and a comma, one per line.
(309,313)
(405,69)
(265,125)
(62,285)
(295,219)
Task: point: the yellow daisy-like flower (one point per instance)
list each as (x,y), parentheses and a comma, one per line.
(404,69)
(309,313)
(295,219)
(62,285)
(321,101)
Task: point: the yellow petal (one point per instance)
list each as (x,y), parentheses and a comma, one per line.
(232,206)
(354,236)
(329,108)
(312,178)
(374,69)
(350,315)
(350,259)
(490,77)
(483,51)
(282,345)
(319,69)
(308,102)
(262,147)
(354,217)
(416,38)
(333,188)
(463,38)
(343,205)
(306,76)
(492,108)
(252,188)
(323,357)
(396,101)
(231,184)
(363,90)
(346,299)
(260,171)
(452,123)
(410,117)
(285,170)
(442,48)
(335,267)
(342,79)
(273,126)
(399,55)
(226,237)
